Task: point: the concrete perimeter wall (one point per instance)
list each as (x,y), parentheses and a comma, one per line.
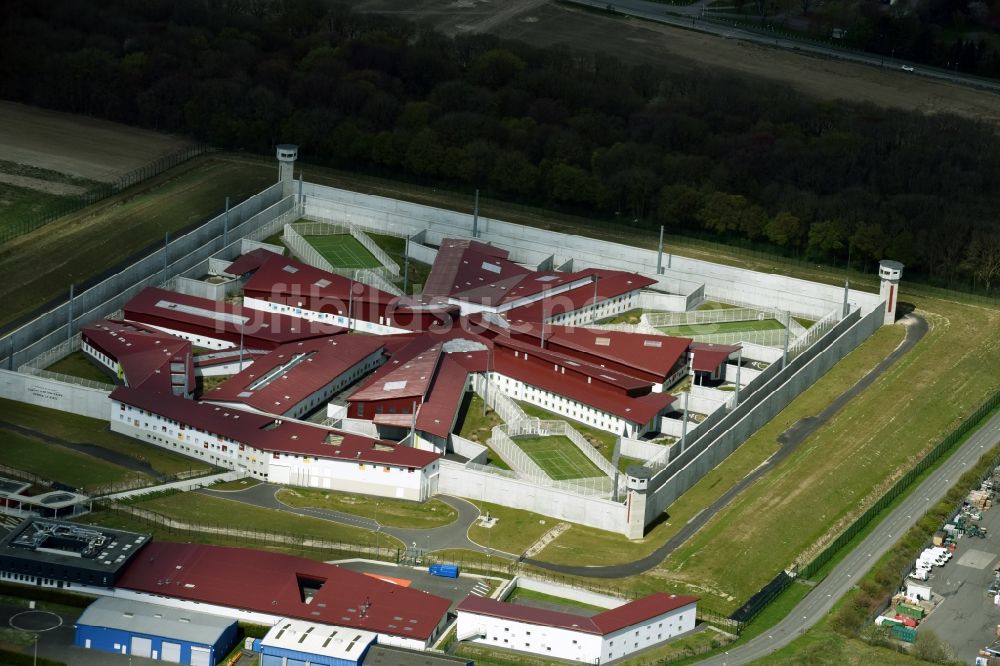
(461,480)
(54,394)
(717,443)
(532,246)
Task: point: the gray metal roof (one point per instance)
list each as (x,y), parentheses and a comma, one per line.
(92,547)
(155,620)
(389,655)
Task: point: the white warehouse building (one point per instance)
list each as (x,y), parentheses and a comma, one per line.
(607,636)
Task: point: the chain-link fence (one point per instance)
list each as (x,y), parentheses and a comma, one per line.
(72,204)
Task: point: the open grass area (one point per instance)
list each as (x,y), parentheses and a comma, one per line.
(20,203)
(77,364)
(81,429)
(627,317)
(57,463)
(387,511)
(221,512)
(343,251)
(514,531)
(558,457)
(235,486)
(722,327)
(476,426)
(602,440)
(395,247)
(87,242)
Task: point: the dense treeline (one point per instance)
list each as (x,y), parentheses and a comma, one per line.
(745,161)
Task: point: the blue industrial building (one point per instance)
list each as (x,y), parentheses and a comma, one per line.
(154,631)
(298,643)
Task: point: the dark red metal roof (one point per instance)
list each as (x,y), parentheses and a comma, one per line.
(317,362)
(708,357)
(610,621)
(144,354)
(220,320)
(410,378)
(610,284)
(437,414)
(275,434)
(283,277)
(269,583)
(250,261)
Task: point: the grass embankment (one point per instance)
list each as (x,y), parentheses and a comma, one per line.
(85,243)
(81,429)
(522,594)
(77,364)
(220,512)
(389,512)
(57,463)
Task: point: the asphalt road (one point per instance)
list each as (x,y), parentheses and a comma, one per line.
(822,598)
(690,17)
(916,328)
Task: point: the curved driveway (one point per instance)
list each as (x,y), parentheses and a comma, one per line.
(822,597)
(916,328)
(452,535)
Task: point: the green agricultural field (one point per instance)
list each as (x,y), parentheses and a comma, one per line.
(84,243)
(78,365)
(722,327)
(343,251)
(81,429)
(387,511)
(558,457)
(57,463)
(200,509)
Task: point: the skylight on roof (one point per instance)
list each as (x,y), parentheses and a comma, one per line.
(652,343)
(608,377)
(547,278)
(602,342)
(394,386)
(492,268)
(288,268)
(322,283)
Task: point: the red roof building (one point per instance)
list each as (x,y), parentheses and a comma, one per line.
(298,377)
(277,585)
(708,359)
(610,635)
(140,356)
(218,325)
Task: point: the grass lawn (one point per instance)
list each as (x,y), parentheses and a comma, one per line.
(627,317)
(217,511)
(475,426)
(77,364)
(276,240)
(520,594)
(395,247)
(89,241)
(602,440)
(58,463)
(514,531)
(20,203)
(389,512)
(238,484)
(723,327)
(558,457)
(74,428)
(343,251)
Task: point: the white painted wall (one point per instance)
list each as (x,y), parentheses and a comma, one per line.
(553,642)
(356,324)
(54,394)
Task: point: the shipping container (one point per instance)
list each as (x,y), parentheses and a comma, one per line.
(444,570)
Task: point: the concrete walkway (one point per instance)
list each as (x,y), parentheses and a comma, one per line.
(186,484)
(453,535)
(916,328)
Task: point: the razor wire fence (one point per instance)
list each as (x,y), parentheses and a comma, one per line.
(72,204)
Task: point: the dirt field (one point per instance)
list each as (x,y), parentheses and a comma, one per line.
(545,24)
(77,145)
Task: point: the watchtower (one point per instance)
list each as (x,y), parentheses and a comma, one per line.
(889,273)
(287,154)
(637,482)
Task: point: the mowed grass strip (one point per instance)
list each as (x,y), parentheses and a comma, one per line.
(87,242)
(20,203)
(57,463)
(514,531)
(207,510)
(81,429)
(722,327)
(387,511)
(558,457)
(343,251)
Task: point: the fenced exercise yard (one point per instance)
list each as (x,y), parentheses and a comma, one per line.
(557,456)
(343,250)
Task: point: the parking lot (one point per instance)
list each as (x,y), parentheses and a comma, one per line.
(967,619)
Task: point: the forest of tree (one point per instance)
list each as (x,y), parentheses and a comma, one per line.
(743,161)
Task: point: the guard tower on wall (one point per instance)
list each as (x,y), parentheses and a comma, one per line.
(287,154)
(889,273)
(637,482)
